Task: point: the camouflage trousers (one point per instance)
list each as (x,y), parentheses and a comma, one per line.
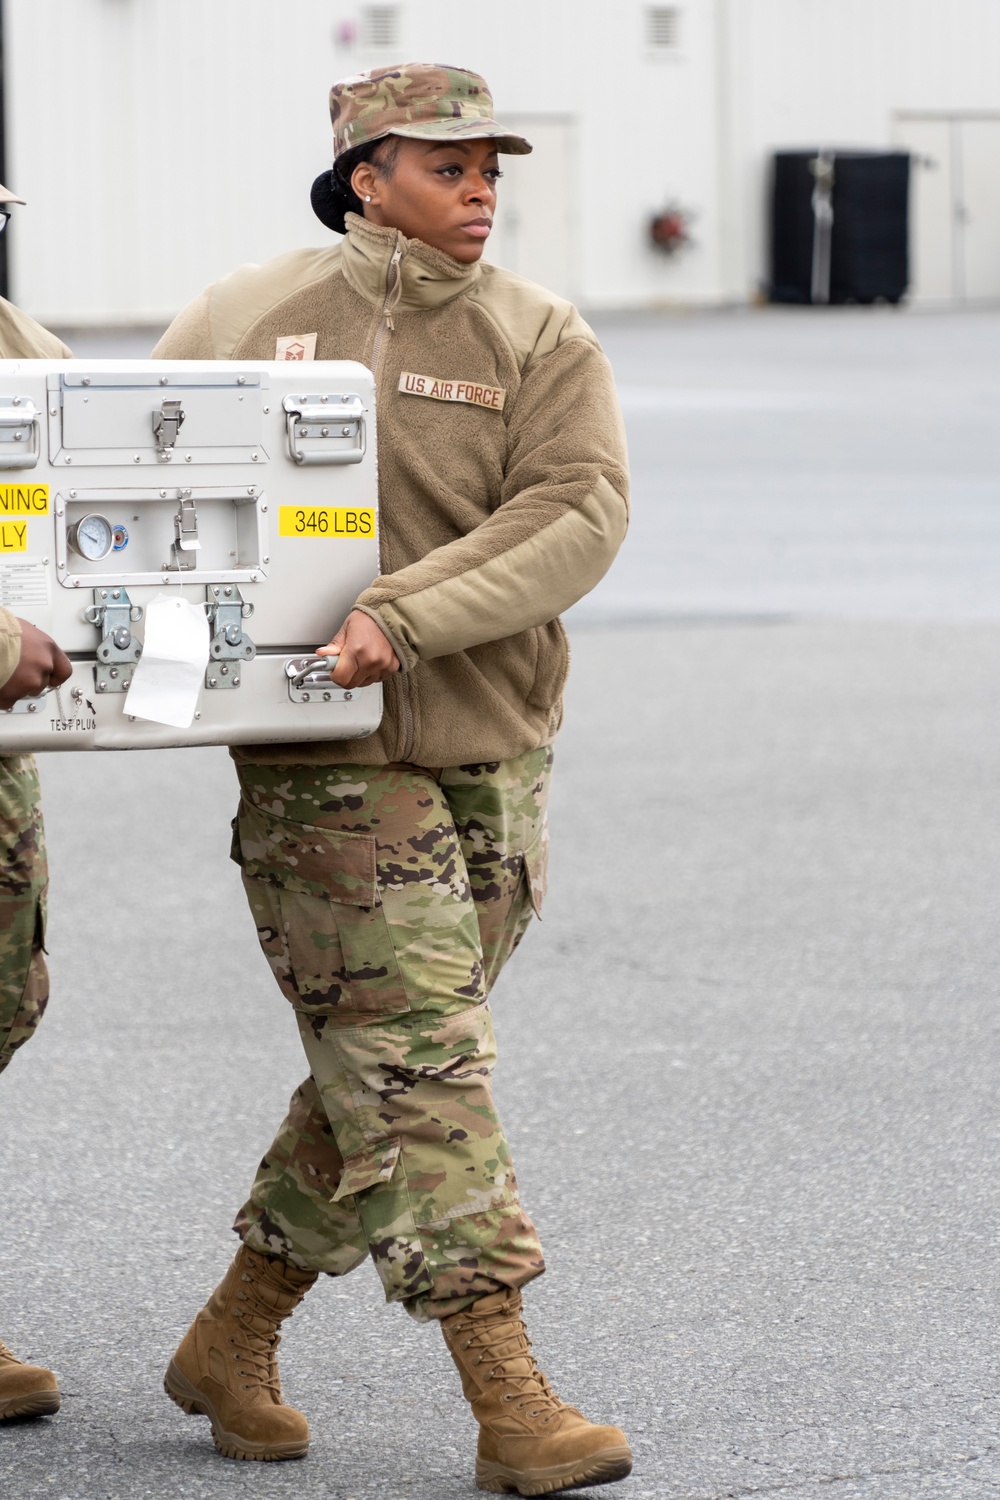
(24,980)
(387,899)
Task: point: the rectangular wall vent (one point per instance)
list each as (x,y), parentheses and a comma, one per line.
(663,27)
(380,27)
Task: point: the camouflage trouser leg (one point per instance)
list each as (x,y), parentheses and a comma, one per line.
(387,899)
(24,980)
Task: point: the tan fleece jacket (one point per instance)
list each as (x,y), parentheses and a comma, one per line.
(21,338)
(502,476)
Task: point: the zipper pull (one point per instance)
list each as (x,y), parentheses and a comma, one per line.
(393,288)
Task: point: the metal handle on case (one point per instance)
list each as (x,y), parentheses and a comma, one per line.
(20,413)
(315,670)
(324,428)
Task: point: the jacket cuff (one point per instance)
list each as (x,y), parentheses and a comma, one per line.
(407,656)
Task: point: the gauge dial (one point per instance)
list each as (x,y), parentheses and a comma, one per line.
(92,537)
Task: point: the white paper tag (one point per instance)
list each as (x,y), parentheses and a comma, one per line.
(171,670)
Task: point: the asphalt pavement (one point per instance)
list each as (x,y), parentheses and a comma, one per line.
(748,1060)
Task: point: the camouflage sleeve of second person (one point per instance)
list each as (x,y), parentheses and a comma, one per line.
(10,644)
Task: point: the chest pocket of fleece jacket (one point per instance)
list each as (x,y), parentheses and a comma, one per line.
(320,920)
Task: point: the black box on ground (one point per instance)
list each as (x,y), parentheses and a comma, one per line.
(839,226)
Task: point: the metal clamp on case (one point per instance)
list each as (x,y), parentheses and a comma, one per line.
(167,423)
(20,441)
(114,614)
(227,609)
(325,429)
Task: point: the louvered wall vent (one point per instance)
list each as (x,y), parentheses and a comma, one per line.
(663,27)
(380,27)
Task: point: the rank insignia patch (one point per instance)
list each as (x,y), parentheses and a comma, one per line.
(296,346)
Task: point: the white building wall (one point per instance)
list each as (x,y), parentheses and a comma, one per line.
(162,142)
(806,73)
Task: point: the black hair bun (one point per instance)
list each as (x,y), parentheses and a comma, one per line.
(331,200)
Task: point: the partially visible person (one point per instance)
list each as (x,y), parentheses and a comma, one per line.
(30,662)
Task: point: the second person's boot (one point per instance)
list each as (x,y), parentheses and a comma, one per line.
(225,1367)
(530,1442)
(25,1390)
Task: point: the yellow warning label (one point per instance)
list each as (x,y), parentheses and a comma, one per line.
(325,520)
(13,536)
(24,500)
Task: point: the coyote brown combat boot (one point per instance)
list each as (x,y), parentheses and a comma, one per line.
(225,1367)
(25,1390)
(530,1443)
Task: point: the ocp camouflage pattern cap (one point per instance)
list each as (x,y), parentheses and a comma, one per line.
(420,100)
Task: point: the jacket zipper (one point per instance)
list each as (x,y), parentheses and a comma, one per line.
(407,706)
(392,278)
(385,323)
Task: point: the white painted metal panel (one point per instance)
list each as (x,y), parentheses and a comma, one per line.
(980,208)
(931,207)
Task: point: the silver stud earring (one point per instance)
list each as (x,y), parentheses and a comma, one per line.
(368,197)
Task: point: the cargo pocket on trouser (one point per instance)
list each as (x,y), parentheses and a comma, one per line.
(320,922)
(24,975)
(293,1209)
(425,1157)
(503,925)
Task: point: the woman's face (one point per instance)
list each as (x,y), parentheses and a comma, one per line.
(444,193)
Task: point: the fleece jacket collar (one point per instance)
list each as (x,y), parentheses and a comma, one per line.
(429,277)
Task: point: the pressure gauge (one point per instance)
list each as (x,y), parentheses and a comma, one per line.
(92,537)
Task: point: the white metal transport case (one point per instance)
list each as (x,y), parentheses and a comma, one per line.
(188,533)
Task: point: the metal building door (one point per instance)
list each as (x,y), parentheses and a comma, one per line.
(535,230)
(980,202)
(955,214)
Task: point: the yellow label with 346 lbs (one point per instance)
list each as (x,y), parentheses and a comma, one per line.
(342,522)
(23,500)
(13,536)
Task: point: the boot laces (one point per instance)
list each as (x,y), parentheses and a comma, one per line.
(507,1349)
(256,1350)
(6,1353)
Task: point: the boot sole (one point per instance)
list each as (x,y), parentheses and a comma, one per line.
(600,1468)
(32,1404)
(194,1404)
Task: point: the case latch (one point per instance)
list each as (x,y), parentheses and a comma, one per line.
(186,542)
(167,423)
(114,613)
(20,439)
(326,429)
(230,645)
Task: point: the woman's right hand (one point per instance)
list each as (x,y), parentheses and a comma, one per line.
(364,651)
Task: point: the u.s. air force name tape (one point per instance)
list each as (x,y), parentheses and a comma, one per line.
(466,391)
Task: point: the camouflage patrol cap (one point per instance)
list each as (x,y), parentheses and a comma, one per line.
(6,196)
(420,100)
